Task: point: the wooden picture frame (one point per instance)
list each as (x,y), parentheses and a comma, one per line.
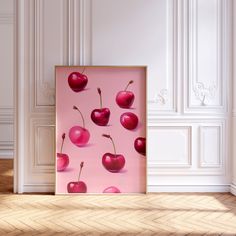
(101,129)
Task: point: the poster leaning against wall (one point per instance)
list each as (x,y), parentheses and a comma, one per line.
(100,129)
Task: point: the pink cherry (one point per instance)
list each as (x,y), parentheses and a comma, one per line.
(111,189)
(62,158)
(62,161)
(79,136)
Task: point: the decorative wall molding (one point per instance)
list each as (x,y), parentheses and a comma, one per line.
(6,149)
(175,161)
(160,97)
(42,145)
(165,100)
(155,171)
(198,163)
(206,73)
(6,18)
(6,112)
(212,137)
(6,115)
(204,94)
(6,119)
(49,39)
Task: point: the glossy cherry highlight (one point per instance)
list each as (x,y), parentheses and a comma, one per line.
(125,99)
(77,186)
(113,162)
(62,158)
(79,135)
(100,116)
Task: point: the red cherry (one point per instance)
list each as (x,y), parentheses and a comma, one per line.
(77,81)
(62,158)
(100,116)
(140,145)
(111,189)
(125,99)
(77,186)
(129,120)
(79,135)
(113,162)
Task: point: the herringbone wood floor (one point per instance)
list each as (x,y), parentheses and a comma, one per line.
(151,214)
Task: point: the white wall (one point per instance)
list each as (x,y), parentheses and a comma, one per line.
(186,45)
(6,78)
(233,168)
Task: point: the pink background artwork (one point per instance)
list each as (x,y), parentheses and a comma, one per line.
(111,80)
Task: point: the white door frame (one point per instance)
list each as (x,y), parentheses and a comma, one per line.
(19,117)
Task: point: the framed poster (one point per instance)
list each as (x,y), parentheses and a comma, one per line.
(100,129)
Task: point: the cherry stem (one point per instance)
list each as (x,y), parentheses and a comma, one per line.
(63,139)
(81,167)
(76,108)
(108,136)
(130,82)
(100,95)
(83,70)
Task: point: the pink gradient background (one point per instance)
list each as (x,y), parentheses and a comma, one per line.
(132,178)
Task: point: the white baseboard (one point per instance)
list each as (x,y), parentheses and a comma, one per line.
(50,188)
(233,189)
(188,188)
(6,154)
(38,188)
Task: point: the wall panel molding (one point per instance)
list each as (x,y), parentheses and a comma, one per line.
(170,159)
(165,99)
(42,145)
(6,114)
(80,35)
(209,155)
(50,41)
(6,110)
(206,77)
(6,18)
(211,145)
